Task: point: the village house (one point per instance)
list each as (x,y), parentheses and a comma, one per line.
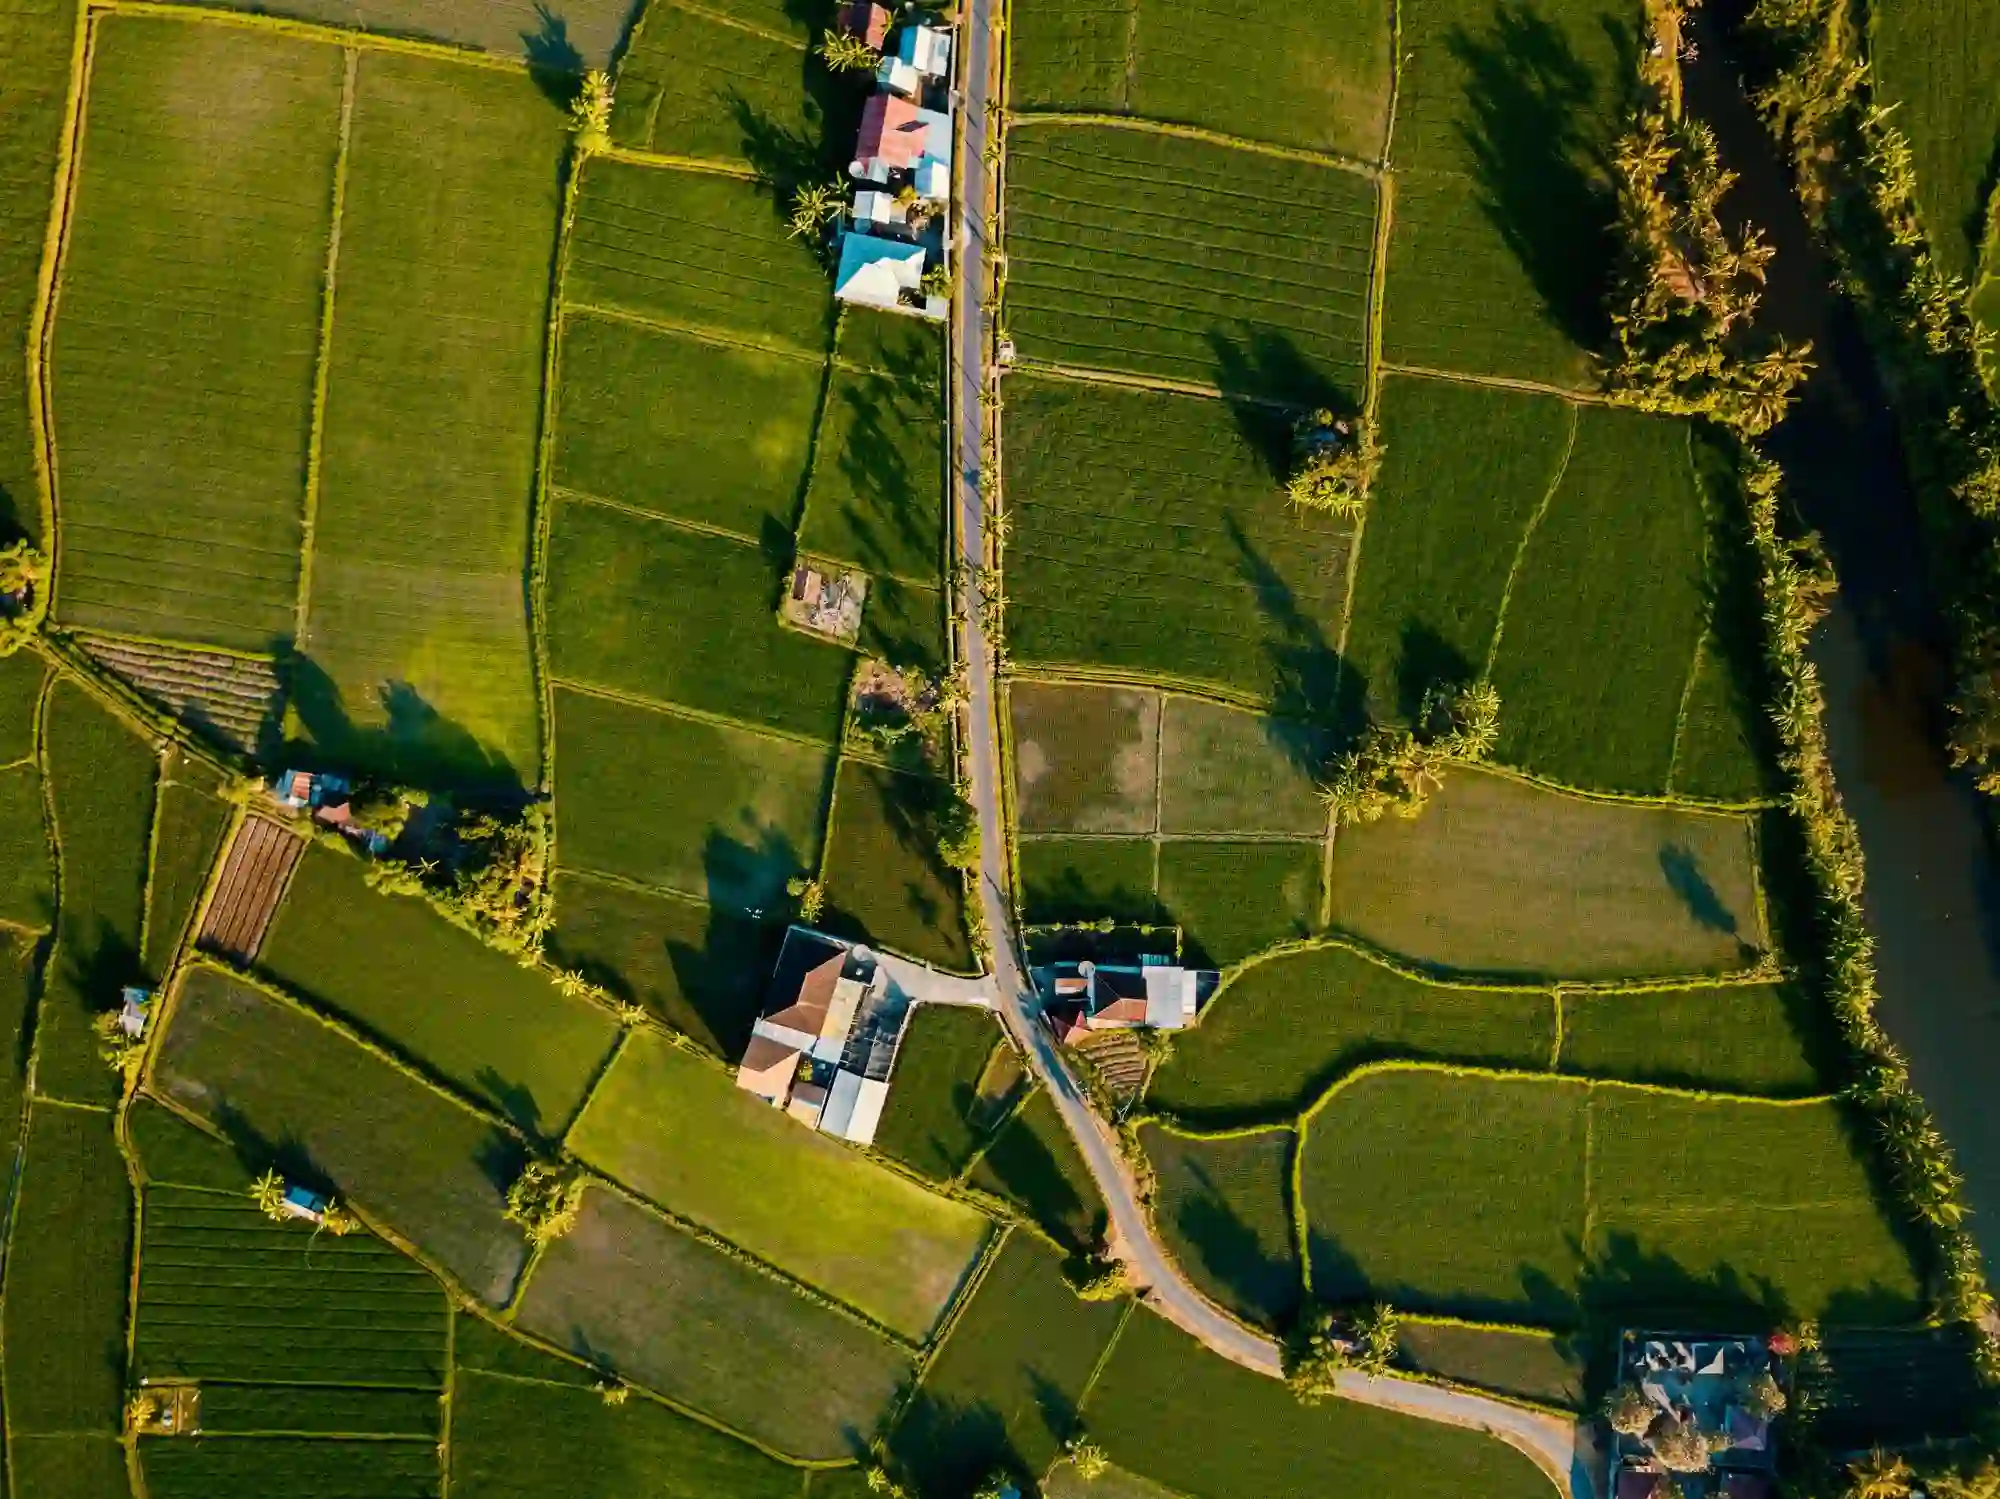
(134,1010)
(865,21)
(1698,1423)
(1156,993)
(329,800)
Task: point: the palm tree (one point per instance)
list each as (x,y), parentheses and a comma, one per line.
(847,54)
(268,1192)
(1880,1475)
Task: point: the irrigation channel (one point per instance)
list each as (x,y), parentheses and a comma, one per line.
(1884,656)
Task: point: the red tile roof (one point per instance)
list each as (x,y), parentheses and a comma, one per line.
(892,130)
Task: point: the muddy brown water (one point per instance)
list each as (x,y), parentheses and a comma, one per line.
(1883,655)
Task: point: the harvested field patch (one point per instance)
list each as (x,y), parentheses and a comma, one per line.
(405,1154)
(1607,611)
(700,969)
(69,1258)
(877,495)
(1721,733)
(706,432)
(1742,1038)
(68,1467)
(467,1011)
(36,37)
(101,779)
(254,876)
(511,1439)
(627,1289)
(209,1467)
(184,354)
(1235,899)
(721,814)
(187,835)
(1530,1365)
(417,632)
(936,1116)
(27,885)
(697,249)
(1223,770)
(1085,879)
(1086,759)
(226,1293)
(639,606)
(1224,1210)
(885,882)
(1007,1383)
(1502,876)
(1166,1407)
(845,1224)
(233,700)
(1279,1032)
(1126,499)
(1254,281)
(1466,469)
(1937,64)
(1033,1164)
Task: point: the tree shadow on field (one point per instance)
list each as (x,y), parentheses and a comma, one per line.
(515,1100)
(1030,1174)
(1425,659)
(1541,173)
(899,514)
(1309,685)
(1682,871)
(1231,1252)
(553,59)
(416,745)
(1268,367)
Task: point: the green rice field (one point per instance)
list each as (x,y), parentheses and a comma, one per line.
(210,1466)
(845,1224)
(1033,1165)
(190,821)
(69,1467)
(1525,1363)
(1086,759)
(1744,1038)
(885,882)
(27,889)
(1234,899)
(1254,281)
(937,1114)
(23,676)
(1084,879)
(189,333)
(1224,1210)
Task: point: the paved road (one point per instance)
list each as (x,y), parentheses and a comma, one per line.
(1552,1442)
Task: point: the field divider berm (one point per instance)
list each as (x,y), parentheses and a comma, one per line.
(333,36)
(1331,159)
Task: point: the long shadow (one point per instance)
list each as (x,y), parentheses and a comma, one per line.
(1031,1175)
(552,56)
(415,746)
(1233,1254)
(876,408)
(1425,659)
(949,1447)
(1270,366)
(1974,226)
(1540,172)
(99,964)
(1308,684)
(1682,871)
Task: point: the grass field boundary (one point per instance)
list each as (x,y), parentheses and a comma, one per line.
(1395,82)
(1302,840)
(1076,674)
(633,157)
(1681,715)
(701,333)
(737,23)
(1561,1021)
(129,704)
(1526,539)
(1584,396)
(802,500)
(692,715)
(1332,160)
(954,1314)
(618,1049)
(152,846)
(677,522)
(1700,806)
(1104,1355)
(313,31)
(1083,374)
(322,357)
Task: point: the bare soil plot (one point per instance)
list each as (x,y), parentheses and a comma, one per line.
(188,333)
(235,699)
(255,873)
(1086,759)
(1501,876)
(628,1290)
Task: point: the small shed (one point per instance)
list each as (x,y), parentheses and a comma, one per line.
(303,1202)
(876,272)
(134,1010)
(925,48)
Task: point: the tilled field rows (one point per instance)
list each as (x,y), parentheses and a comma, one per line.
(237,697)
(259,866)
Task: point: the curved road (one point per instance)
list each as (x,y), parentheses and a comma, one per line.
(1559,1446)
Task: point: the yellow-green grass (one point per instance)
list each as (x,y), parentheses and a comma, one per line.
(1552,1200)
(101,777)
(1063,1482)
(1607,610)
(27,890)
(706,432)
(1150,534)
(676,1129)
(1279,1032)
(239,1467)
(697,249)
(1723,729)
(436,994)
(68,1261)
(1167,1408)
(1033,1164)
(885,881)
(1500,876)
(68,1467)
(1501,245)
(936,1116)
(1937,64)
(1005,1387)
(170,1151)
(699,968)
(1087,879)
(190,820)
(640,606)
(1984,302)
(293,1093)
(583,34)
(1528,1363)
(721,814)
(1223,770)
(22,676)
(225,1293)
(627,1290)
(1467,468)
(524,1439)
(1151,254)
(36,37)
(418,659)
(877,493)
(1234,899)
(1317,78)
(1223,1207)
(17,980)
(1086,759)
(1743,1038)
(185,349)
